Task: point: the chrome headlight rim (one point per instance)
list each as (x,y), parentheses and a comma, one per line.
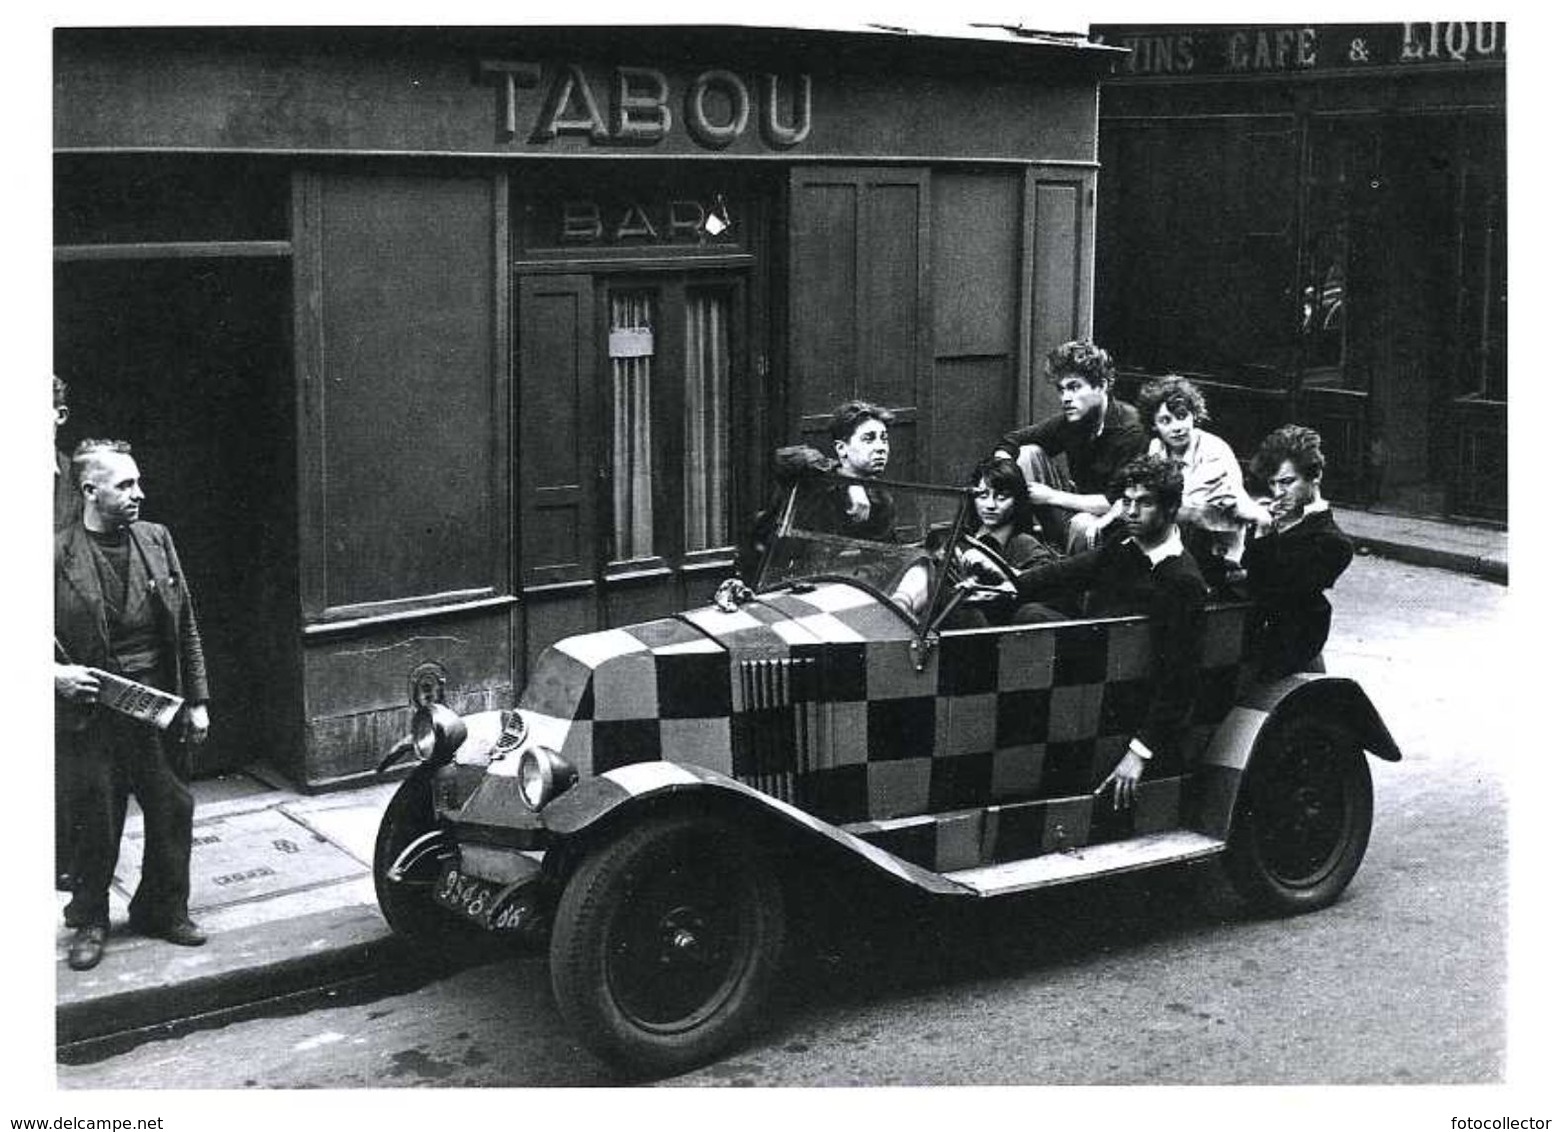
(543,774)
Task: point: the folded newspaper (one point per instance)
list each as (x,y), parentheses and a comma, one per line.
(139,701)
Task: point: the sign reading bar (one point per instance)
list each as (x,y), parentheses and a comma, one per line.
(642,106)
(1270,49)
(605,219)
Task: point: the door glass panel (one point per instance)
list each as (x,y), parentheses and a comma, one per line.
(708,368)
(632,349)
(1348,194)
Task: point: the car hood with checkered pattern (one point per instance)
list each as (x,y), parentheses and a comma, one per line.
(687,687)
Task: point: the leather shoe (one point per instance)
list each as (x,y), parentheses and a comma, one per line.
(86,947)
(182,932)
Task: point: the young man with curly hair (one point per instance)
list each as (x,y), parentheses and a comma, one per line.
(1297,552)
(1095,433)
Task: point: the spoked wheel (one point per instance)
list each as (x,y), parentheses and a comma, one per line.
(408,904)
(666,943)
(1303,817)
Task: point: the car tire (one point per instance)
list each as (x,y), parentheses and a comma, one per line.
(408,905)
(1303,817)
(666,943)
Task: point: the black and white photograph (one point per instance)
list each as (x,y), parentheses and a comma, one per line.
(870,554)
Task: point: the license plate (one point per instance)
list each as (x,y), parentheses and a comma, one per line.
(471,896)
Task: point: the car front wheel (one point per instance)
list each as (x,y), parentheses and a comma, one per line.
(666,943)
(1303,817)
(408,904)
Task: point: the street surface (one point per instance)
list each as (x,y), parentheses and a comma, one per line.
(1124,982)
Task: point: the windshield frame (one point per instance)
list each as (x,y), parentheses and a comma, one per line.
(960,500)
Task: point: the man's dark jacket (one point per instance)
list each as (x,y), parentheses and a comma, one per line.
(1287,573)
(1092,460)
(81,621)
(1117,580)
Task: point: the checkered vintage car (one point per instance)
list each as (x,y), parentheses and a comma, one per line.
(642,805)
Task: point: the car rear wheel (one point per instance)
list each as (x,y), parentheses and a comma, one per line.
(408,904)
(666,943)
(1303,817)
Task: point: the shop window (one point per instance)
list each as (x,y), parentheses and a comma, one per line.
(1484,270)
(632,349)
(707,377)
(645,407)
(1343,183)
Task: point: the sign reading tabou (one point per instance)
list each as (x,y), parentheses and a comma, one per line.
(541,104)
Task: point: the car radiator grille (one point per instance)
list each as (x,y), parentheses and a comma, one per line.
(776,730)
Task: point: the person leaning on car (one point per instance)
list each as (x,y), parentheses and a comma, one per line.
(1146,572)
(854,504)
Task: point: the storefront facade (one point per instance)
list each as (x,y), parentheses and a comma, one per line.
(438,346)
(1312,221)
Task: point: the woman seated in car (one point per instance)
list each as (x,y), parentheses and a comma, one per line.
(1216,508)
(1005,528)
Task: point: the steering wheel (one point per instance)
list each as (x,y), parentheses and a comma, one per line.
(992,562)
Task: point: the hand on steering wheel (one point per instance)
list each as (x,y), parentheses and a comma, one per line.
(982,563)
(980,571)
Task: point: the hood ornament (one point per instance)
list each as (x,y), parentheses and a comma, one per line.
(731,594)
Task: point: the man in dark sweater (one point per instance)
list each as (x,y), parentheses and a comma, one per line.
(1295,556)
(1095,433)
(121,608)
(1146,572)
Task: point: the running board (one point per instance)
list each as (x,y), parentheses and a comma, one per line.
(1066,865)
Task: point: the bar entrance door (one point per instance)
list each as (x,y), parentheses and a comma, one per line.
(631,410)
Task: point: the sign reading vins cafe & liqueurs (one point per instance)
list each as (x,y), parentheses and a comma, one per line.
(1274,48)
(644,106)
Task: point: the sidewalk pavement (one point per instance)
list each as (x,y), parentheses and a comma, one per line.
(281,880)
(1465,548)
(281,883)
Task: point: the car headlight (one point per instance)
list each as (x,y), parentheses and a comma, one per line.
(544,776)
(437,733)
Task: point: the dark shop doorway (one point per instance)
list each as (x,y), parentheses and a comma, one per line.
(189,359)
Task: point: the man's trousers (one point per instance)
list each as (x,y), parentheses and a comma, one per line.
(112,758)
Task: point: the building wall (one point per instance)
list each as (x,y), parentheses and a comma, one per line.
(454,403)
(1311,220)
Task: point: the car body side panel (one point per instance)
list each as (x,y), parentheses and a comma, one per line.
(813,696)
(592,801)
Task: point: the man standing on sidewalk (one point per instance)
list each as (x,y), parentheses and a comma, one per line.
(121,607)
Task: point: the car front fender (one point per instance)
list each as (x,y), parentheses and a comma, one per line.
(1225,759)
(590,802)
